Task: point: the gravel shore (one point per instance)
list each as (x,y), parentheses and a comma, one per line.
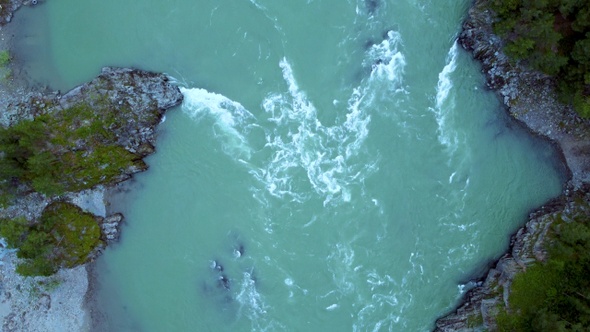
(47,304)
(39,304)
(54,303)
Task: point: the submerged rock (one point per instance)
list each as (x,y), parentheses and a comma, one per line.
(223,282)
(110,227)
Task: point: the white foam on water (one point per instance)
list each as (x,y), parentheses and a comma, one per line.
(382,297)
(444,104)
(384,90)
(385,292)
(269,16)
(231,118)
(340,263)
(455,198)
(302,158)
(387,61)
(332,307)
(301,144)
(257,5)
(313,219)
(444,80)
(253,306)
(297,140)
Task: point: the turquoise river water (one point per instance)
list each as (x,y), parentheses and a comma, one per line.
(337,165)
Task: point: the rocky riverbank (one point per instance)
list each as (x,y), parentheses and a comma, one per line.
(57,303)
(8,7)
(28,304)
(530,98)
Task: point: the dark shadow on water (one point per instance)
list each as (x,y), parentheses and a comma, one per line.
(546,150)
(372,6)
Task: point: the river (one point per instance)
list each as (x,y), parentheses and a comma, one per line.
(337,165)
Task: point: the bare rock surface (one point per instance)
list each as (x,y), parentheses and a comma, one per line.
(8,7)
(42,304)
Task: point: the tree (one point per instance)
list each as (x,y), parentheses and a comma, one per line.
(552,36)
(554,296)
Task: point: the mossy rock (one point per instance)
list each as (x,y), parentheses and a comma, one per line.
(64,236)
(75,233)
(70,150)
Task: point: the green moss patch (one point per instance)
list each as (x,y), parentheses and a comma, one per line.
(4,58)
(64,236)
(70,150)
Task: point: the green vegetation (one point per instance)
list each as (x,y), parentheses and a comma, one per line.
(62,151)
(4,58)
(63,237)
(554,296)
(475,321)
(66,151)
(49,284)
(552,36)
(5,71)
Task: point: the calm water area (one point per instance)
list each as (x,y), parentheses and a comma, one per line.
(336,165)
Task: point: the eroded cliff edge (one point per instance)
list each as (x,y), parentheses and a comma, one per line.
(530,98)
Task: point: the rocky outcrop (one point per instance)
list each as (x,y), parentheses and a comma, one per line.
(8,7)
(138,98)
(110,227)
(530,98)
(480,305)
(57,303)
(142,98)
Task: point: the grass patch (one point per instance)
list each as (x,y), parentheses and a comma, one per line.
(59,151)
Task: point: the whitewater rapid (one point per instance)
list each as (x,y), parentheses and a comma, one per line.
(334,166)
